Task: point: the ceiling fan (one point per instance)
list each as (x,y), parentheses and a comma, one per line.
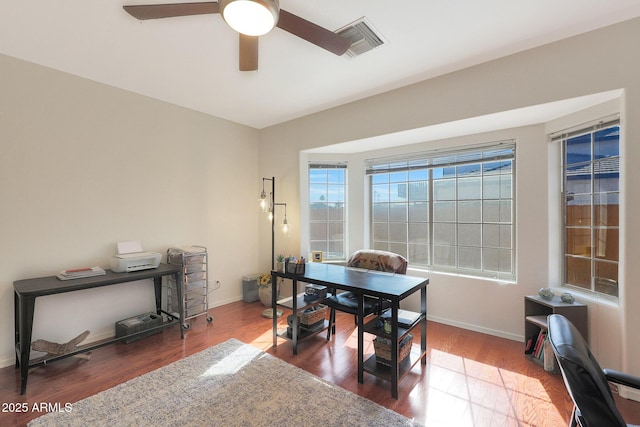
(236,12)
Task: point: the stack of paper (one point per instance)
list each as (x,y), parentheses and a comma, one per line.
(78,273)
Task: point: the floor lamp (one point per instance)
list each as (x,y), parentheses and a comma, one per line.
(268,205)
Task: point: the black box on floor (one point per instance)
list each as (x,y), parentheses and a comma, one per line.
(138,323)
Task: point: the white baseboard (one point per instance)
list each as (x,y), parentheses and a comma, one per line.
(4,363)
(476,328)
(218,303)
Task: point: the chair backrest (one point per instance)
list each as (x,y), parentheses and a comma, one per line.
(583,376)
(371,259)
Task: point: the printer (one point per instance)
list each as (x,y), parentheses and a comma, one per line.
(130,257)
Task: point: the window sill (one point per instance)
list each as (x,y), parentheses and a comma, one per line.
(423,272)
(589,297)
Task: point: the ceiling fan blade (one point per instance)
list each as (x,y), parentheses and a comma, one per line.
(248,53)
(155,11)
(313,33)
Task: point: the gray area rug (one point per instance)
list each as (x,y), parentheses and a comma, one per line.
(230,384)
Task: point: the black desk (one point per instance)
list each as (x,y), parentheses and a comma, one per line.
(392,287)
(26,291)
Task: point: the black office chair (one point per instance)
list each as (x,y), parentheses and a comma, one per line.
(586,382)
(347,302)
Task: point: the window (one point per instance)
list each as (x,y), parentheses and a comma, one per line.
(447,210)
(327,207)
(591,175)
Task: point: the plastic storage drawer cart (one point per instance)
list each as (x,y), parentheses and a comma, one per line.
(195,291)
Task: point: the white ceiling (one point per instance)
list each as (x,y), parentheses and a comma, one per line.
(193,61)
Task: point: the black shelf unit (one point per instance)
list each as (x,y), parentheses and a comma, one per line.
(304,333)
(301,304)
(381,370)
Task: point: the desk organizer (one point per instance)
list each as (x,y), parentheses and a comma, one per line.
(295,268)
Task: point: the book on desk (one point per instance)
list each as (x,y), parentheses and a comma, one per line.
(79,273)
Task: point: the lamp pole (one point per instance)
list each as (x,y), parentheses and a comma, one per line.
(273,222)
(272,211)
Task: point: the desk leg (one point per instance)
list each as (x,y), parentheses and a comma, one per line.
(423,325)
(16,327)
(394,349)
(294,326)
(26,307)
(179,291)
(360,338)
(157,288)
(274,308)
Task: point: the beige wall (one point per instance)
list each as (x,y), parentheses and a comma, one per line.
(84,166)
(62,137)
(595,62)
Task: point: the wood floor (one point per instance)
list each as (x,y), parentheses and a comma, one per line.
(470,379)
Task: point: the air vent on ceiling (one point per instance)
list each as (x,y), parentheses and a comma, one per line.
(362,35)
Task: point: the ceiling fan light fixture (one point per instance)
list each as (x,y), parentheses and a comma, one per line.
(250,17)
